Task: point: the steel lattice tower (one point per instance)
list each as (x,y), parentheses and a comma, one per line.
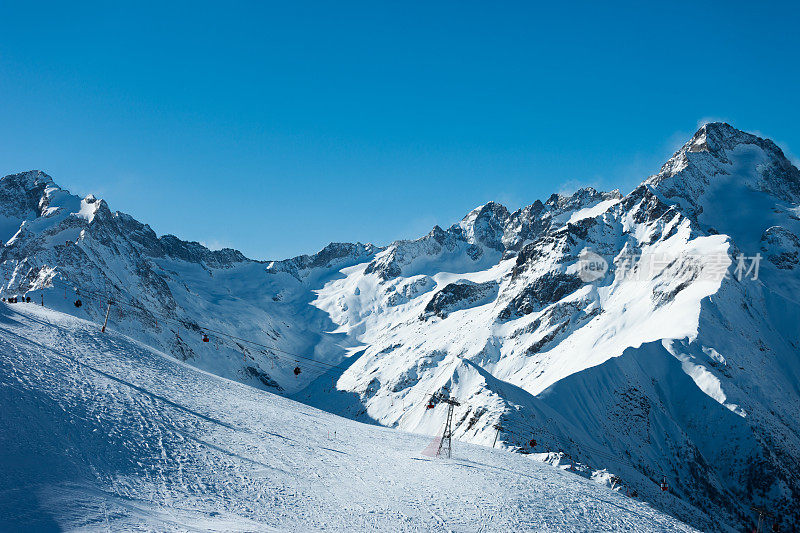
(446,445)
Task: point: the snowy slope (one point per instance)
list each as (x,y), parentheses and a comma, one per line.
(101,433)
(661,367)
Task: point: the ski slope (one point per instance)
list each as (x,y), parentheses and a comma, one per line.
(100,433)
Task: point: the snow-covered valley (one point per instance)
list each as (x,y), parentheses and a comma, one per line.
(676,361)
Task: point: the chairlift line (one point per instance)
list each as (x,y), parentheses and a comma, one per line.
(210,330)
(322,366)
(603,455)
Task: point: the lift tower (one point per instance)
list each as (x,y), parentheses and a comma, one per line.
(446,446)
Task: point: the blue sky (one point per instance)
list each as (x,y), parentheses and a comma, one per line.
(276,128)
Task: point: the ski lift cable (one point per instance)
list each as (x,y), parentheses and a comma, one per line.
(118,302)
(776,293)
(603,454)
(184,323)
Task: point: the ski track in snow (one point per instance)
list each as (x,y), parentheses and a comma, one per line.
(101,433)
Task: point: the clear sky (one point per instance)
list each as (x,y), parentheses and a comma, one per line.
(276,128)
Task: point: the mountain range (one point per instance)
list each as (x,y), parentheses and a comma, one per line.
(649,337)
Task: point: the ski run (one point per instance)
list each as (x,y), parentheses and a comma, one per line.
(101,433)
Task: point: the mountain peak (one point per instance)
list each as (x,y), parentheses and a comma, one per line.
(715,137)
(485,224)
(715,144)
(721,157)
(23,195)
(29,180)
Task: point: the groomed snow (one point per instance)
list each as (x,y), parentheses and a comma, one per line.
(101,433)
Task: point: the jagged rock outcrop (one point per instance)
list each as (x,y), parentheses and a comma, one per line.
(458,296)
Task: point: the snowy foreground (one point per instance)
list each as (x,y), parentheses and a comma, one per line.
(99,432)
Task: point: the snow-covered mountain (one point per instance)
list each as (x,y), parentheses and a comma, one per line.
(162,288)
(655,365)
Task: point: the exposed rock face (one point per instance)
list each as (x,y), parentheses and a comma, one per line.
(782,247)
(544,290)
(660,366)
(718,150)
(458,296)
(485,225)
